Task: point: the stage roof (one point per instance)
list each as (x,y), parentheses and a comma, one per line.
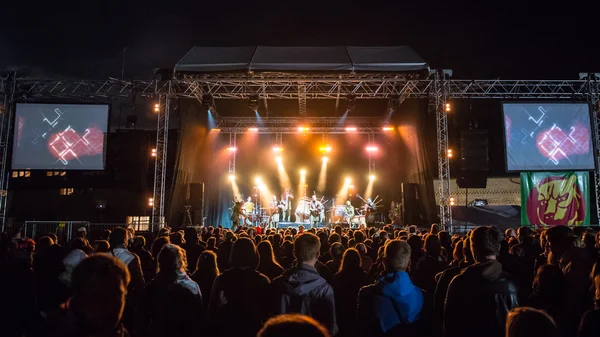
(305,59)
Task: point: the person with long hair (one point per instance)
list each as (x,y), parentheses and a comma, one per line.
(238,293)
(347,282)
(206,273)
(267,265)
(173,302)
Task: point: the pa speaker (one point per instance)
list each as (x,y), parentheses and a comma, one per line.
(472,179)
(197,202)
(474,150)
(411,204)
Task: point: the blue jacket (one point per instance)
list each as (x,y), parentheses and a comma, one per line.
(391,302)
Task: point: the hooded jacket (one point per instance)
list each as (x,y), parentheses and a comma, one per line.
(484,293)
(391,302)
(302,290)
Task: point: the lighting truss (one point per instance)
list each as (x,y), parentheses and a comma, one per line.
(289,125)
(435,86)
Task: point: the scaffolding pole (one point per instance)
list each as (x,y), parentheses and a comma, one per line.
(7,89)
(160,167)
(593,80)
(440,95)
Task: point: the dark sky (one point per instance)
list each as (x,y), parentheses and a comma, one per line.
(477,39)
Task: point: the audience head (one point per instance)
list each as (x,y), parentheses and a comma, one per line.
(243,254)
(560,239)
(190,235)
(165,231)
(207,261)
(333,238)
(212,242)
(292,325)
(105,234)
(529,322)
(485,243)
(549,280)
(171,260)
(351,260)
(396,255)
(176,238)
(54,238)
(359,237)
(99,287)
(101,246)
(458,254)
(43,243)
(139,242)
(306,248)
(435,228)
(158,244)
(432,245)
(118,237)
(336,250)
(265,252)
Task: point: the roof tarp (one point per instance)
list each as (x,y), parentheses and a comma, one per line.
(225,59)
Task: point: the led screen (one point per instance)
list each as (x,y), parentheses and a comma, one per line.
(59,136)
(548,137)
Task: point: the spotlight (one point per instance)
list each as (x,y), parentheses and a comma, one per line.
(156,107)
(449,153)
(348,180)
(447,107)
(372,149)
(208,101)
(303,172)
(325,159)
(350,102)
(215,130)
(303,129)
(387,128)
(231,177)
(258,181)
(325,149)
(350,129)
(372,177)
(277,149)
(253,102)
(151,202)
(278,159)
(153,152)
(451,201)
(232,149)
(351,186)
(393,104)
(253,129)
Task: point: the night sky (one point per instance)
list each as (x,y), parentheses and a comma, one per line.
(478,39)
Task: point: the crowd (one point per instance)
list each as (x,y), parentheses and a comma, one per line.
(297,282)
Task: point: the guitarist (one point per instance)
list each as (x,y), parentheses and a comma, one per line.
(348,213)
(316,211)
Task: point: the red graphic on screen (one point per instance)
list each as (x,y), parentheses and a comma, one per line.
(557,144)
(69,145)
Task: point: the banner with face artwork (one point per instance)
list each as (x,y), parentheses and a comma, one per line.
(555,198)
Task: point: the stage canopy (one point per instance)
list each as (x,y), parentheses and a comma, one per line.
(307,59)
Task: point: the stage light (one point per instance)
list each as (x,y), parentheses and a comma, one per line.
(215,130)
(303,172)
(156,107)
(372,177)
(232,149)
(151,202)
(372,149)
(277,149)
(325,159)
(278,159)
(258,181)
(351,129)
(253,102)
(303,129)
(153,152)
(451,201)
(449,153)
(351,186)
(387,128)
(448,107)
(348,180)
(350,102)
(208,102)
(325,149)
(253,129)
(231,177)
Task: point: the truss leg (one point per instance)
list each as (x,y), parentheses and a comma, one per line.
(302,99)
(7,90)
(160,168)
(594,101)
(440,97)
(232,142)
(371,142)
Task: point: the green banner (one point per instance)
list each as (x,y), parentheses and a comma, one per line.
(555,198)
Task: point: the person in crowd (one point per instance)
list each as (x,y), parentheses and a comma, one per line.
(212,245)
(95,308)
(336,252)
(72,259)
(347,283)
(48,266)
(172,303)
(118,249)
(206,273)
(292,325)
(239,293)
(576,266)
(393,304)
(105,234)
(138,247)
(430,264)
(268,266)
(101,246)
(435,229)
(548,293)
(366,260)
(43,243)
(225,251)
(193,248)
(302,290)
(483,292)
(176,238)
(446,243)
(529,322)
(416,248)
(457,254)
(590,321)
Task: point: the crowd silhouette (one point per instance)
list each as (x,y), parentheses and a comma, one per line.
(303,282)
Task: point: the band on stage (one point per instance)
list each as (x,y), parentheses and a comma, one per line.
(313,211)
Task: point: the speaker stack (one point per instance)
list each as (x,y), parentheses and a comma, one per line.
(474,158)
(197,203)
(412,209)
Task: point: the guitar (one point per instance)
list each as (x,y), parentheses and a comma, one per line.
(315,210)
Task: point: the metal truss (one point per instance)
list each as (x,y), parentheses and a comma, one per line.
(232,152)
(371,142)
(7,89)
(308,125)
(593,81)
(436,86)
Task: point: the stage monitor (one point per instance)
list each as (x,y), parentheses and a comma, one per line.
(59,137)
(548,137)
